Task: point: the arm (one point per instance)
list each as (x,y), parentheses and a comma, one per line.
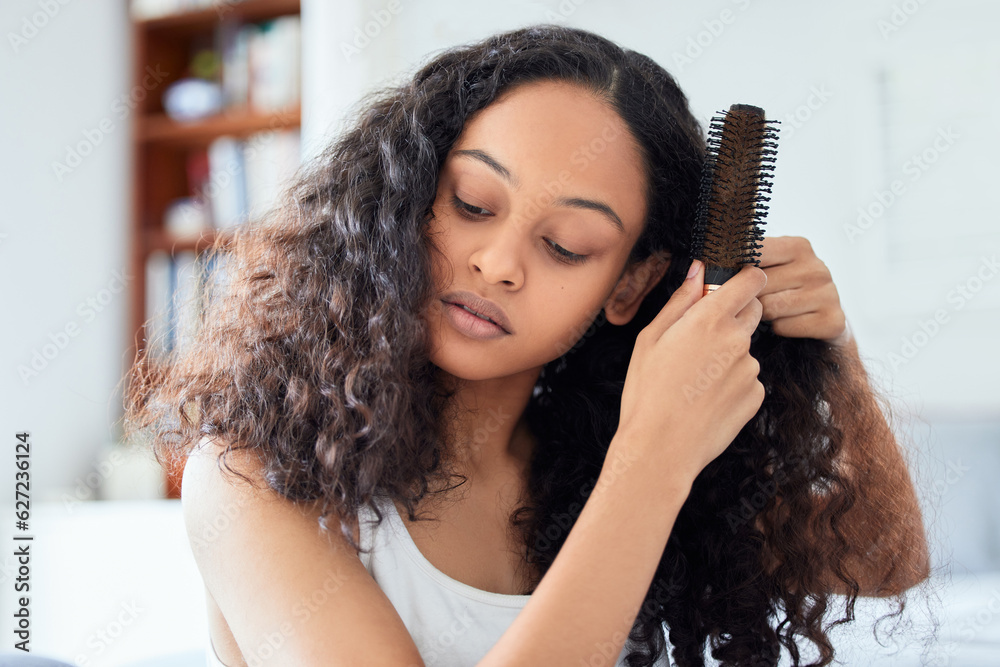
(264,559)
(271,556)
(585,606)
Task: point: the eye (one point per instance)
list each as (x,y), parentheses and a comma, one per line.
(471,212)
(566,255)
(468,210)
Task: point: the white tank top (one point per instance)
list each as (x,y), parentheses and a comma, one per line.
(452,623)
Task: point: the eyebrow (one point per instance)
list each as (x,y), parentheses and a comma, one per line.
(574,202)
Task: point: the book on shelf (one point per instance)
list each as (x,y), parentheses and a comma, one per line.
(245,177)
(225,189)
(185,302)
(261,63)
(179,288)
(158,290)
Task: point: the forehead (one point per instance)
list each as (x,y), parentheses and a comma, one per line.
(555,134)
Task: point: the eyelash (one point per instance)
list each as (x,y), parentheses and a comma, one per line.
(561,254)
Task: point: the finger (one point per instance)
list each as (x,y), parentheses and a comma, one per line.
(808,325)
(689,292)
(736,292)
(750,315)
(793,302)
(787,303)
(777,250)
(784,276)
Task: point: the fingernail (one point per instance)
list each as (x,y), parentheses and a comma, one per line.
(693,271)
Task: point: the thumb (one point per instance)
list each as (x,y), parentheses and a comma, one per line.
(685,296)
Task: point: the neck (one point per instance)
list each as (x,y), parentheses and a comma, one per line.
(487,429)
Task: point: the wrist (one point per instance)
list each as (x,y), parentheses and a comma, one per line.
(630,463)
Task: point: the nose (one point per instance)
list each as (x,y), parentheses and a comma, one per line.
(498,254)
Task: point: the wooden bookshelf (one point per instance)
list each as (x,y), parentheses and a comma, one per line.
(161,51)
(160,130)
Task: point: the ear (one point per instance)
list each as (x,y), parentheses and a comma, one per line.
(635,283)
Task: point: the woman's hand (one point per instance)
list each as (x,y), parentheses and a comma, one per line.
(800,299)
(692,383)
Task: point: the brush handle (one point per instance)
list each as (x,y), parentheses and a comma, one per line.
(715,276)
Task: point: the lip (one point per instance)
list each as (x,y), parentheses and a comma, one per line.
(481,306)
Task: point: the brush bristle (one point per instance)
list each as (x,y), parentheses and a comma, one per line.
(738,170)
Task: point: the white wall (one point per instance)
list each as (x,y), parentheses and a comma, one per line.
(62,241)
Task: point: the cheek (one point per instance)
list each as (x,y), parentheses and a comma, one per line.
(441,247)
(571,306)
(440,228)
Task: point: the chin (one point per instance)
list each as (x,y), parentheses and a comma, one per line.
(465,367)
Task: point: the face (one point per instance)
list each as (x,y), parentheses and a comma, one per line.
(538,205)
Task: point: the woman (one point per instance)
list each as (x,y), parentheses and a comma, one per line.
(473,308)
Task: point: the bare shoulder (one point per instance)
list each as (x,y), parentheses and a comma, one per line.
(274,573)
(224,489)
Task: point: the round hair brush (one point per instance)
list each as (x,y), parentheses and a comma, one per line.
(737,171)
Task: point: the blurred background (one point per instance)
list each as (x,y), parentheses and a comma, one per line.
(133,132)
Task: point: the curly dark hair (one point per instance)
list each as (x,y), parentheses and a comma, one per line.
(313,355)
